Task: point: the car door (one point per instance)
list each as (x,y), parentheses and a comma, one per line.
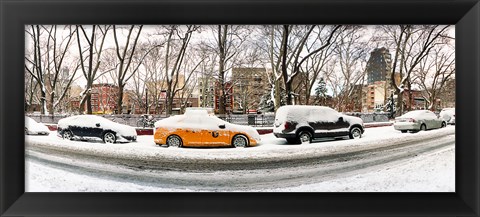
(216,132)
(338,125)
(191,131)
(97,127)
(74,125)
(437,120)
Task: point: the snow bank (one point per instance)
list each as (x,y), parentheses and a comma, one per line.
(271,148)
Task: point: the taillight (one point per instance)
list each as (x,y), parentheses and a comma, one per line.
(287,125)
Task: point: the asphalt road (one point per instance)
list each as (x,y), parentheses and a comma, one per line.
(235,175)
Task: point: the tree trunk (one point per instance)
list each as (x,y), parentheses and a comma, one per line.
(278,100)
(120,98)
(52,98)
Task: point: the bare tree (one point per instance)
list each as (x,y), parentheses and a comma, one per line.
(412,44)
(229,40)
(58,71)
(90,58)
(434,72)
(125,54)
(351,53)
(314,66)
(35,65)
(178,39)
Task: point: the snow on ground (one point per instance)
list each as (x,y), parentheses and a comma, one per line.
(270,147)
(40,178)
(431,172)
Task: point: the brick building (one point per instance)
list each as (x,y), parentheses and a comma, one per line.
(249,86)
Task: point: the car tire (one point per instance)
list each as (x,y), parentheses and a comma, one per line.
(67,134)
(355,133)
(240,141)
(109,137)
(423,127)
(304,136)
(404,131)
(174,141)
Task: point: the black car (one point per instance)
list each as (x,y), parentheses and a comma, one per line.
(300,124)
(92,126)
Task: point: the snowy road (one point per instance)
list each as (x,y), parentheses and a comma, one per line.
(272,165)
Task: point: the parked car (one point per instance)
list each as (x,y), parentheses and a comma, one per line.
(418,120)
(92,126)
(210,111)
(196,128)
(34,128)
(448,114)
(299,124)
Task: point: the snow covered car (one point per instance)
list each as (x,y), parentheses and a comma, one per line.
(196,128)
(301,123)
(34,128)
(448,114)
(418,120)
(92,126)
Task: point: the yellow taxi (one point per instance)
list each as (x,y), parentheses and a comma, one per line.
(196,128)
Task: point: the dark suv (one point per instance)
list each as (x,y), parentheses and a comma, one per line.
(299,124)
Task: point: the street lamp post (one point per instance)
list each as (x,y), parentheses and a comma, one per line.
(146,101)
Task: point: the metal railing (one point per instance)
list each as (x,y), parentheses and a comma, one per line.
(255,120)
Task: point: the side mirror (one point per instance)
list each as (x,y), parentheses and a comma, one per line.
(340,119)
(221,126)
(97,124)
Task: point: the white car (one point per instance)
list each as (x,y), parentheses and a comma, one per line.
(92,126)
(418,120)
(448,114)
(302,123)
(34,128)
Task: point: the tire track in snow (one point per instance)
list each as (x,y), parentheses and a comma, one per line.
(225,176)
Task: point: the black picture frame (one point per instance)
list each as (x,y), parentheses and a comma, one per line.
(14,15)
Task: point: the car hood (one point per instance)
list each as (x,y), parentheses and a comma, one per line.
(353,120)
(248,130)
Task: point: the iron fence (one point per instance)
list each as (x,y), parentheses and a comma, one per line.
(255,120)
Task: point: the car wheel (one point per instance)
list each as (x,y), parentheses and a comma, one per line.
(109,137)
(67,134)
(355,133)
(174,141)
(444,124)
(404,131)
(26,131)
(305,136)
(423,127)
(240,141)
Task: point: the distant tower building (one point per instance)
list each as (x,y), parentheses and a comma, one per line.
(379,65)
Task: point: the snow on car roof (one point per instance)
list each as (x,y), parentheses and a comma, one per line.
(200,119)
(91,120)
(306,113)
(415,113)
